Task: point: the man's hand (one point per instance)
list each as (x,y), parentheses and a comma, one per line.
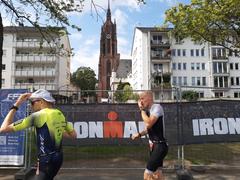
(22,98)
(140,105)
(135,136)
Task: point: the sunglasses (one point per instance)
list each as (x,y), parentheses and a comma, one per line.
(33,101)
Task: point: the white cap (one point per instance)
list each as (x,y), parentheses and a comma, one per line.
(42,94)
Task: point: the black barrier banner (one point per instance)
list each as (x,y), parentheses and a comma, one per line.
(186,123)
(210,122)
(107,123)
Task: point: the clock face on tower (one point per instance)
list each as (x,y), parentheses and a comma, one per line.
(108,36)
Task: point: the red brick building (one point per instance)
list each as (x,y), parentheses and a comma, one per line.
(109,57)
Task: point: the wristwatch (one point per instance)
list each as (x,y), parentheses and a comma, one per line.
(14,107)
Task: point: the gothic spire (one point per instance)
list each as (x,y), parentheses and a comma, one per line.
(108,11)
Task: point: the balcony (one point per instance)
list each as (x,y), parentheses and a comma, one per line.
(35,58)
(160,43)
(219,57)
(35,73)
(161,81)
(34,44)
(49,86)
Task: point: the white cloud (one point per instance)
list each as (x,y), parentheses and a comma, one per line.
(121,21)
(86,55)
(124,46)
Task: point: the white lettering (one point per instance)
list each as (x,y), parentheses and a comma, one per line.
(95,129)
(13,96)
(234,125)
(130,128)
(195,127)
(206,126)
(220,126)
(81,129)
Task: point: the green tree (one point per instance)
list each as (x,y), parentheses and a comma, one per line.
(119,94)
(215,21)
(85,79)
(190,95)
(125,92)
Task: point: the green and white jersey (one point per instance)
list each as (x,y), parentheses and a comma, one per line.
(50,125)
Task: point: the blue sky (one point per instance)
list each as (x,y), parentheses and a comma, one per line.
(127,13)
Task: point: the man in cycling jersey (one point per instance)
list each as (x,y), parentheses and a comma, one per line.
(50,125)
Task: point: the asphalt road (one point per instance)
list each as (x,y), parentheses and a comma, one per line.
(129,174)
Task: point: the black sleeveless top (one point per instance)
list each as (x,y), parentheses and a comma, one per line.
(157,131)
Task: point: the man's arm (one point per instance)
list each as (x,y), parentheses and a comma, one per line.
(7,125)
(140,134)
(70,131)
(71,134)
(148,121)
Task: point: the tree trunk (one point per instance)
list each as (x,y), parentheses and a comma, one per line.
(1,49)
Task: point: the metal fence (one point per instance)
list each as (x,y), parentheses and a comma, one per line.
(199,150)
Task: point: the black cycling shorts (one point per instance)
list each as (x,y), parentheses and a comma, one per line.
(157,154)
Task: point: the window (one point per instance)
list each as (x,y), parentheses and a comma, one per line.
(237,81)
(192,66)
(219,67)
(179,66)
(221,81)
(236,66)
(193,81)
(3,66)
(192,52)
(236,94)
(173,52)
(204,83)
(180,80)
(156,95)
(231,66)
(184,66)
(174,80)
(184,52)
(197,52)
(203,66)
(218,94)
(232,81)
(157,39)
(185,81)
(157,67)
(201,95)
(3,81)
(218,53)
(179,52)
(4,52)
(174,66)
(156,52)
(198,81)
(202,52)
(198,66)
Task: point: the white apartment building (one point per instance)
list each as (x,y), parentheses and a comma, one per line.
(210,70)
(33,62)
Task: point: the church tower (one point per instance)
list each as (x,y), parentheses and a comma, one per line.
(109,57)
